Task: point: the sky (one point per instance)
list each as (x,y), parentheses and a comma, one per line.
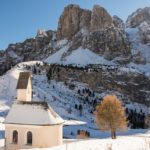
(20,19)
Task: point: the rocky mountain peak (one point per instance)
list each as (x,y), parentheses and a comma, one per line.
(69,21)
(138,17)
(93,29)
(100,18)
(74,18)
(138,29)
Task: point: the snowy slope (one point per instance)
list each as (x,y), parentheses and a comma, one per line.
(56,57)
(56,93)
(7,85)
(8,82)
(83,57)
(63,100)
(80,57)
(137,46)
(139,50)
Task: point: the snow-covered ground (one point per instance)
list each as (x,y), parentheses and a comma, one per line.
(79,57)
(122,143)
(131,140)
(63,100)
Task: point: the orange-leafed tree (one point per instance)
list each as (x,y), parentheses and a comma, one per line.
(110,115)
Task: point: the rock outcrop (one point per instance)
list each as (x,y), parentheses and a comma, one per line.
(95,30)
(110,42)
(118,23)
(31,49)
(69,22)
(85,19)
(73,19)
(138,17)
(138,28)
(144,31)
(100,18)
(41,33)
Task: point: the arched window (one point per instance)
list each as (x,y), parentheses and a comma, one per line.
(29,138)
(15,137)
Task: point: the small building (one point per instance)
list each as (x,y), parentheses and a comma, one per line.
(31,124)
(82,134)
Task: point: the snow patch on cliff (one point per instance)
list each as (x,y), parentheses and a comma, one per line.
(79,57)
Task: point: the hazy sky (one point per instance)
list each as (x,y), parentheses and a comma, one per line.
(20,19)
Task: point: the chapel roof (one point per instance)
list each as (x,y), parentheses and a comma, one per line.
(32,113)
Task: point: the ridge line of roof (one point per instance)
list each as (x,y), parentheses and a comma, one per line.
(34,124)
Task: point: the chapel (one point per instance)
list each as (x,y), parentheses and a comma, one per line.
(31,124)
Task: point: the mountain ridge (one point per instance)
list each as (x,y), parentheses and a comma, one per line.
(95,29)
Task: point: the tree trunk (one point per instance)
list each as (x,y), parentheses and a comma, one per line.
(113,134)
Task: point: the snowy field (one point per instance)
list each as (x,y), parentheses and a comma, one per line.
(130,140)
(122,143)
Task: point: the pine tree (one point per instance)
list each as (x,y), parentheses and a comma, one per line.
(80,109)
(110,115)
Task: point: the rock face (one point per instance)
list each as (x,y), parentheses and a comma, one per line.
(110,42)
(31,49)
(141,19)
(138,17)
(118,23)
(138,28)
(144,31)
(73,19)
(100,18)
(85,19)
(69,21)
(95,30)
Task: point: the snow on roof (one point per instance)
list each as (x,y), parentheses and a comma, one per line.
(32,113)
(23,80)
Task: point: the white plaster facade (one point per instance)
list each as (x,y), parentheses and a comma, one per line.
(43,136)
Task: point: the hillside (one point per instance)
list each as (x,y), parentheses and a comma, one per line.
(63,97)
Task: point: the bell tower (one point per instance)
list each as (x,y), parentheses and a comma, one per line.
(24,87)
